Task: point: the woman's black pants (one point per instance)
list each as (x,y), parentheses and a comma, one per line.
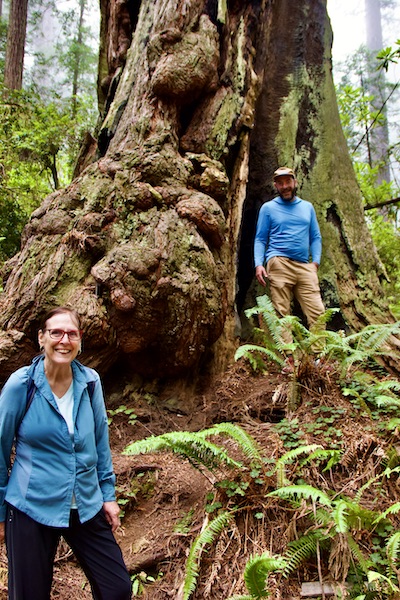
(31,548)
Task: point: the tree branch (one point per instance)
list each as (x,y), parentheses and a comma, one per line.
(380,204)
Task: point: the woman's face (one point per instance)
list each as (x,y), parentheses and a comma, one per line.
(59,347)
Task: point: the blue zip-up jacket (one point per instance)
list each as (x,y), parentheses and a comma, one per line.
(49,467)
(287,229)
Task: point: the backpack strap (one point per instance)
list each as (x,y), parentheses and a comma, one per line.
(32,389)
(29,396)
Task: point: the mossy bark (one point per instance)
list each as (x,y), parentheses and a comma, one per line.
(200,102)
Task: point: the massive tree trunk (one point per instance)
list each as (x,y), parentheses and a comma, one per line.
(15,49)
(201,101)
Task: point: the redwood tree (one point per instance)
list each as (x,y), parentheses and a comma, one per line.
(201,100)
(15,44)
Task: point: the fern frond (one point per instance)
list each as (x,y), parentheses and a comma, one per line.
(392,510)
(357,554)
(206,537)
(388,385)
(393,548)
(257,570)
(333,456)
(240,598)
(359,517)
(246,350)
(384,401)
(339,515)
(190,445)
(388,585)
(276,325)
(245,441)
(296,492)
(292,454)
(300,550)
(289,457)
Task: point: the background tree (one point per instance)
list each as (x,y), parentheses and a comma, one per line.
(380,134)
(15,44)
(39,137)
(200,101)
(362,104)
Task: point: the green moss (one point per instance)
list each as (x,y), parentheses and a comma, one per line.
(222,10)
(227,114)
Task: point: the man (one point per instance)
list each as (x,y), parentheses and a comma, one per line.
(287,235)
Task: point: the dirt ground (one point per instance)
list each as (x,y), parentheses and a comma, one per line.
(164,495)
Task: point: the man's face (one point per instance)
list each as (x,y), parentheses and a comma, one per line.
(286,187)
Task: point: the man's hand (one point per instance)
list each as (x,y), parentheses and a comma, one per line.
(261,275)
(112,510)
(2,531)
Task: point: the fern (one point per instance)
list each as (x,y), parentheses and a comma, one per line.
(190,445)
(357,554)
(359,347)
(393,548)
(295,492)
(289,457)
(300,550)
(257,570)
(392,510)
(246,351)
(339,515)
(243,439)
(206,537)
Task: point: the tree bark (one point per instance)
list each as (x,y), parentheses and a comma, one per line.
(201,108)
(15,49)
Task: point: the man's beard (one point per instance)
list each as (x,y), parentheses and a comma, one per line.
(292,195)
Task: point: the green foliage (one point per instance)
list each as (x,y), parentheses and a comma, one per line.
(196,448)
(289,457)
(389,55)
(243,439)
(361,112)
(348,351)
(184,525)
(207,536)
(140,580)
(296,492)
(359,348)
(300,550)
(189,445)
(42,127)
(373,396)
(36,139)
(386,237)
(256,573)
(122,410)
(272,343)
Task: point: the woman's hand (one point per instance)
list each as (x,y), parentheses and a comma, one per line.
(2,531)
(111,511)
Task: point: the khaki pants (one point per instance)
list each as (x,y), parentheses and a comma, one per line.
(288,278)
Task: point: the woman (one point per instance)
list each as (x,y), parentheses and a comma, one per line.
(62,480)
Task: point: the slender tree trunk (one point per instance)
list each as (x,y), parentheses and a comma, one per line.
(15,50)
(78,55)
(379,138)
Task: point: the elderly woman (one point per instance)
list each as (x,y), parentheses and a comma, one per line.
(61,482)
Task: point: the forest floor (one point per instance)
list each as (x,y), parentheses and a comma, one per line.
(165,496)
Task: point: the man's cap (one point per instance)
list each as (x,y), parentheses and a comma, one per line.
(284,171)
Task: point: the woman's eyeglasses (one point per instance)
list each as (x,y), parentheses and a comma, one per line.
(57,334)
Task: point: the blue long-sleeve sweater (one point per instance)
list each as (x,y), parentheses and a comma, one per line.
(287,229)
(49,467)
